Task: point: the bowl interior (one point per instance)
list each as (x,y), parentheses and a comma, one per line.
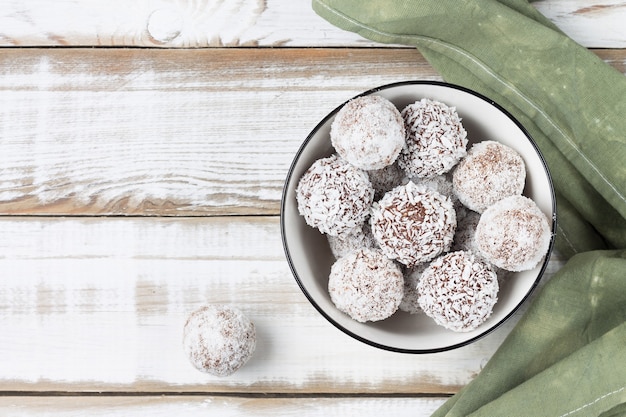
(310,258)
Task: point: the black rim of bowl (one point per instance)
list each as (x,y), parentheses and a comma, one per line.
(393,348)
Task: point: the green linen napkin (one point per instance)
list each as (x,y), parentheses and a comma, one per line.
(567,355)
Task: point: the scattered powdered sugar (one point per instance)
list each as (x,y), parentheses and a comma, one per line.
(366,285)
(513,234)
(334,196)
(457,291)
(354,239)
(435,141)
(413,224)
(219,339)
(490,172)
(368,132)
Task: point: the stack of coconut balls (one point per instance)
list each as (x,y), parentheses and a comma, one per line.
(416,221)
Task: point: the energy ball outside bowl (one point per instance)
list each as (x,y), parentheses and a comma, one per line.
(366,285)
(368,132)
(219,339)
(334,196)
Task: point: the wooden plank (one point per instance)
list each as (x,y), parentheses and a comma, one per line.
(201,406)
(98,304)
(169,132)
(210,23)
(173,132)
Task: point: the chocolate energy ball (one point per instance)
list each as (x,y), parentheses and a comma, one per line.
(413,224)
(354,239)
(366,285)
(219,339)
(410,300)
(464,240)
(368,132)
(334,196)
(386,179)
(435,139)
(490,172)
(457,291)
(513,234)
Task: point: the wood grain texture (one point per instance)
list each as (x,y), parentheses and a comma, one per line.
(201,406)
(211,23)
(173,132)
(98,304)
(169,132)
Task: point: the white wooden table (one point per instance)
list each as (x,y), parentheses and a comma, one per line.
(143,149)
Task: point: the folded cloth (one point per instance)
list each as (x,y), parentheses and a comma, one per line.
(570,101)
(567,355)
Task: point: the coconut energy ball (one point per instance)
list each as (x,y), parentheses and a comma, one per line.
(368,132)
(334,196)
(465,232)
(219,339)
(490,172)
(386,179)
(413,224)
(410,300)
(457,291)
(354,239)
(435,139)
(513,234)
(366,285)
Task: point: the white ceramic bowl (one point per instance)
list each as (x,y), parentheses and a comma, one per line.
(309,255)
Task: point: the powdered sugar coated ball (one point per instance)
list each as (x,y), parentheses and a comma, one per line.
(334,196)
(465,232)
(490,172)
(413,224)
(513,234)
(368,132)
(354,239)
(366,285)
(457,291)
(219,339)
(410,300)
(386,179)
(435,139)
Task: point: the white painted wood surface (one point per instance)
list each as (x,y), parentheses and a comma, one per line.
(202,23)
(99,304)
(137,184)
(200,406)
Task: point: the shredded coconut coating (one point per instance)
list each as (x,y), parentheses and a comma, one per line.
(334,196)
(458,292)
(366,285)
(219,339)
(435,139)
(413,224)
(465,232)
(490,172)
(354,239)
(513,234)
(410,301)
(368,132)
(464,239)
(386,179)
